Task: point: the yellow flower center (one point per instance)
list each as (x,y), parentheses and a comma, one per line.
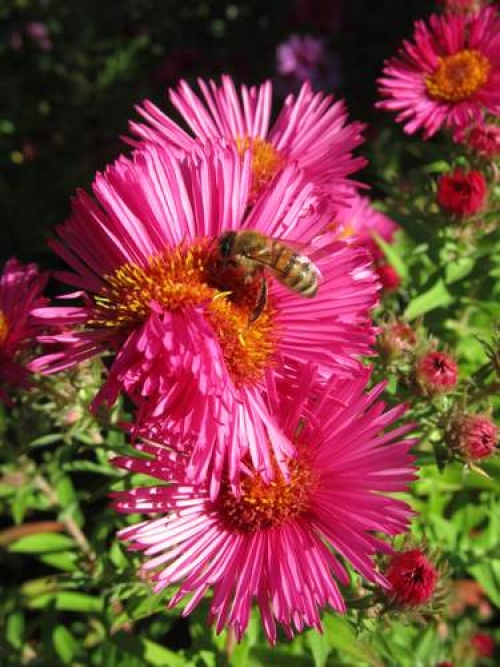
(263,505)
(266,161)
(184,278)
(459,76)
(4,328)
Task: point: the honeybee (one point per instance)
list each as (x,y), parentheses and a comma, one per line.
(254,253)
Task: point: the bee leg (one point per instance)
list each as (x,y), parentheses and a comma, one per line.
(260,303)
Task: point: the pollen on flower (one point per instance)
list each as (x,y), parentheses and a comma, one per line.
(4,328)
(182,278)
(264,505)
(458,76)
(266,161)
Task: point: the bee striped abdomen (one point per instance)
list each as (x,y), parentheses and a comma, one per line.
(293,270)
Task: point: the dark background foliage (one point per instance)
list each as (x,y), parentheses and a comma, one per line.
(65,103)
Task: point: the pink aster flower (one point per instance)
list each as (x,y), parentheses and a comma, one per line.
(283,544)
(310,130)
(300,56)
(358,222)
(186,345)
(448,76)
(20,291)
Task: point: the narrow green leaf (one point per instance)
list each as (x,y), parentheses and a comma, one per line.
(14,631)
(393,256)
(67,601)
(435,297)
(42,543)
(65,644)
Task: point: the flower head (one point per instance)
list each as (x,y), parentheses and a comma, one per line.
(483,138)
(473,437)
(436,373)
(448,76)
(186,345)
(463,7)
(462,193)
(279,542)
(412,578)
(21,290)
(358,222)
(483,645)
(311,130)
(300,56)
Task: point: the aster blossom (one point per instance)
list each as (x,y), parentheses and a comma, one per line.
(449,76)
(357,221)
(183,345)
(21,288)
(413,578)
(279,544)
(462,193)
(311,130)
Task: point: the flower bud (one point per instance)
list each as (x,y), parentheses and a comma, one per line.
(395,339)
(472,437)
(389,277)
(461,193)
(412,577)
(485,140)
(436,373)
(483,644)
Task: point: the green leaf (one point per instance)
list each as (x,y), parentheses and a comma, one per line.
(65,644)
(488,575)
(320,648)
(342,637)
(42,543)
(435,297)
(14,631)
(149,652)
(67,561)
(67,601)
(392,255)
(458,269)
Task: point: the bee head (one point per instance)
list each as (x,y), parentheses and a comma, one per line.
(226,243)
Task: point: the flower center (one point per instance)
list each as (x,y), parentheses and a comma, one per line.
(184,278)
(266,161)
(4,328)
(459,76)
(263,505)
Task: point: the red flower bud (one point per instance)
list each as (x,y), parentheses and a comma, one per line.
(436,373)
(412,577)
(483,644)
(395,339)
(474,437)
(485,140)
(389,277)
(461,193)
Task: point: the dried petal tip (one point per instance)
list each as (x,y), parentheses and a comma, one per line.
(436,373)
(472,437)
(412,578)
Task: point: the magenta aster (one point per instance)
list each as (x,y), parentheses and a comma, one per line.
(21,288)
(448,76)
(310,130)
(283,544)
(184,346)
(357,221)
